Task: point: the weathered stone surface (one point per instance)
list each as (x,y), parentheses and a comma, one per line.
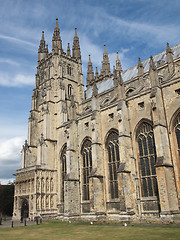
(112,153)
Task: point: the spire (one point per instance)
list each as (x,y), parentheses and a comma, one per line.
(56,40)
(105,52)
(105,70)
(169,54)
(42,38)
(140,68)
(152,64)
(153,73)
(96,74)
(114,72)
(118,64)
(168,49)
(76,52)
(90,72)
(43,49)
(68,50)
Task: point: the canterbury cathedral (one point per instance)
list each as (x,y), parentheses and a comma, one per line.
(109,150)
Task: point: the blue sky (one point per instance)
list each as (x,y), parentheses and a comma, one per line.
(134,28)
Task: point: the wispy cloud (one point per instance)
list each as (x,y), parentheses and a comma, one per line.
(9,61)
(18,80)
(17,40)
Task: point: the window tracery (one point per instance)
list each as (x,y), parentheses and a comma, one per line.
(86,152)
(147,160)
(112,146)
(63,169)
(177,131)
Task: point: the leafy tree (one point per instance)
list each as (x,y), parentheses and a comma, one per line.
(6,199)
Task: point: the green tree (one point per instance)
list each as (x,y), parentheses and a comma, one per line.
(6,199)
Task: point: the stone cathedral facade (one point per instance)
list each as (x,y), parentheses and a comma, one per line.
(111,151)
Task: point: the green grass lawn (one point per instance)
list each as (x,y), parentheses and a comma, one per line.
(55,229)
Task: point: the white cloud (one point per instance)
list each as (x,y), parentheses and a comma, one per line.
(10,156)
(18,80)
(10,148)
(4,181)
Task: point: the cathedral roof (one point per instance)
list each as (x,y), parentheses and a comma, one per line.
(159,60)
(102,86)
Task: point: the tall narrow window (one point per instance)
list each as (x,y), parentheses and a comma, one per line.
(87,167)
(147,160)
(112,146)
(69,69)
(177,131)
(63,169)
(69,90)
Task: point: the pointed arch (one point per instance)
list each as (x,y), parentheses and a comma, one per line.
(24,209)
(87,138)
(112,147)
(143,120)
(147,158)
(175,127)
(109,132)
(173,118)
(63,168)
(86,152)
(129,91)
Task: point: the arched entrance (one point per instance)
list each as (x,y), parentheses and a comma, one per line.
(25,209)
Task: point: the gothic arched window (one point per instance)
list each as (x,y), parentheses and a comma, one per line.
(69,90)
(177,131)
(112,146)
(147,160)
(63,169)
(87,167)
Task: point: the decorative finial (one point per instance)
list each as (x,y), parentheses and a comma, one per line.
(117,56)
(89,58)
(152,64)
(68,50)
(114,69)
(139,62)
(43,35)
(75,31)
(168,49)
(118,64)
(57,22)
(104,48)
